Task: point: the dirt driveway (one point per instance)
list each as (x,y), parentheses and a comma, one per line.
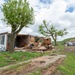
(40,62)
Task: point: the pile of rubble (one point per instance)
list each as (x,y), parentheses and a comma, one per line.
(39,44)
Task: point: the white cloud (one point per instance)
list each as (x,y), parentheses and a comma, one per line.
(1,2)
(54,12)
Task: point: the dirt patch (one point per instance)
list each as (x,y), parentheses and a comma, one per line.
(40,62)
(70,48)
(52,68)
(57,73)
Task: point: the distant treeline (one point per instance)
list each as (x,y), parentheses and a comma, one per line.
(64,41)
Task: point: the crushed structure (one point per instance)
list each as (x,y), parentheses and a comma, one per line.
(25,41)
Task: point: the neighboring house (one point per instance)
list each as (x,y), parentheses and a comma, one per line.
(70,43)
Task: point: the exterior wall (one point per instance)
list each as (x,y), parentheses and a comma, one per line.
(3,42)
(22,40)
(46,41)
(26,39)
(32,39)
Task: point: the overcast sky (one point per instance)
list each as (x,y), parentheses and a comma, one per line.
(60,12)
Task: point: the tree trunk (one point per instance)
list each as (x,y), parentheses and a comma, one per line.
(12,42)
(55,42)
(55,39)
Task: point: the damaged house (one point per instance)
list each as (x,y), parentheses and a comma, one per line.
(22,40)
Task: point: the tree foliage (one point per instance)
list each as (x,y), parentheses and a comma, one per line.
(17,14)
(48,29)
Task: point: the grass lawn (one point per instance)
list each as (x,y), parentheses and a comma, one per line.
(7,58)
(68,66)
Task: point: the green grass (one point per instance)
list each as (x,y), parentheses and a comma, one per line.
(7,58)
(68,66)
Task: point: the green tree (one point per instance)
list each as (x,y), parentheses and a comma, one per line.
(17,14)
(48,29)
